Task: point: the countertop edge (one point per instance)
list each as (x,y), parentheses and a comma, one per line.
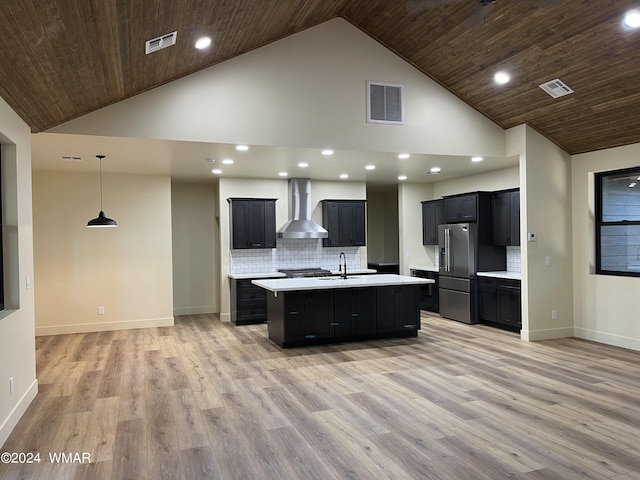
(381,280)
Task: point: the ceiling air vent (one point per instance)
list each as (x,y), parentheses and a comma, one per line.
(556,88)
(159,43)
(385,103)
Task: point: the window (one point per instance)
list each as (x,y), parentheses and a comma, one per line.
(618,222)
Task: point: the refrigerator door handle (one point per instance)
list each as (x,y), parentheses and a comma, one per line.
(447,250)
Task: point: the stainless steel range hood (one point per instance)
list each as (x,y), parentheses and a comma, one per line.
(300,224)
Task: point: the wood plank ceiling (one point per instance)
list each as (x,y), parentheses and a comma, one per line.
(60,59)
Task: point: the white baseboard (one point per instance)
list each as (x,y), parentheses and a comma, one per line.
(548,334)
(105,326)
(225,317)
(195,310)
(11,421)
(608,338)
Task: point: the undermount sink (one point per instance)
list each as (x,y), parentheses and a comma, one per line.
(336,278)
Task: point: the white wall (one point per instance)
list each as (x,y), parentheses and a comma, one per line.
(127,270)
(487,182)
(307,90)
(17,338)
(545,194)
(604,306)
(412,252)
(194,243)
(383,225)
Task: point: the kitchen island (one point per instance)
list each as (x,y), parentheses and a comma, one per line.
(312,311)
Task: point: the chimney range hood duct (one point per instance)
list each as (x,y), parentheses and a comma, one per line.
(300,224)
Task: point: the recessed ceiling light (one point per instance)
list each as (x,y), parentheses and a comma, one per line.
(242,148)
(344,175)
(435,170)
(283,174)
(203,42)
(476,159)
(632,19)
(217,171)
(370,167)
(303,164)
(403,156)
(227,161)
(327,151)
(402,177)
(501,78)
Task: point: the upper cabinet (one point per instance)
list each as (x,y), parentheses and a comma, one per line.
(253,223)
(345,222)
(432,216)
(505,209)
(461,208)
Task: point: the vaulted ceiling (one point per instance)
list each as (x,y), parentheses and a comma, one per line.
(60,59)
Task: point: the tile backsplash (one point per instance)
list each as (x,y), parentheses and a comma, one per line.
(292,253)
(513,259)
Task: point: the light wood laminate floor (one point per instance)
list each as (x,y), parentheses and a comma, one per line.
(210,400)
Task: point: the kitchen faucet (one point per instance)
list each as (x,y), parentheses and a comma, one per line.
(344,273)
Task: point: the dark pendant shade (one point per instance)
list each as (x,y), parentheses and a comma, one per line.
(101,220)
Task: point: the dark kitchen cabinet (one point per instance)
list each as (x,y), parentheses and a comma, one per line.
(429,293)
(248,302)
(397,308)
(308,314)
(345,222)
(461,208)
(432,216)
(354,312)
(505,209)
(253,223)
(499,302)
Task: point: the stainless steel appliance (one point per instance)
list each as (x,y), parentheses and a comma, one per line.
(457,268)
(305,272)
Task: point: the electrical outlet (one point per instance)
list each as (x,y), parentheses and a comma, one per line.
(10,385)
(547,261)
(554,314)
(100,310)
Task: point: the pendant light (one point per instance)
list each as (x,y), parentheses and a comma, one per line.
(101,220)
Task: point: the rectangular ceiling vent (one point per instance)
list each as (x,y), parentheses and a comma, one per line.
(385,103)
(556,88)
(159,43)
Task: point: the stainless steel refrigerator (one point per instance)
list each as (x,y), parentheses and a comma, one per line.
(457,267)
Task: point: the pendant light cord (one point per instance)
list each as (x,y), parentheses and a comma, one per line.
(100,157)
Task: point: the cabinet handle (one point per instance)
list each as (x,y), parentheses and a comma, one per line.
(309,336)
(355,314)
(256,244)
(334,324)
(409,326)
(293,313)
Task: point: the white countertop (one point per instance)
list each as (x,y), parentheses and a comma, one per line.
(317,283)
(501,274)
(243,276)
(430,268)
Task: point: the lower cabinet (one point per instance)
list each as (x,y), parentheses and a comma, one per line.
(499,302)
(354,312)
(312,317)
(248,302)
(398,309)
